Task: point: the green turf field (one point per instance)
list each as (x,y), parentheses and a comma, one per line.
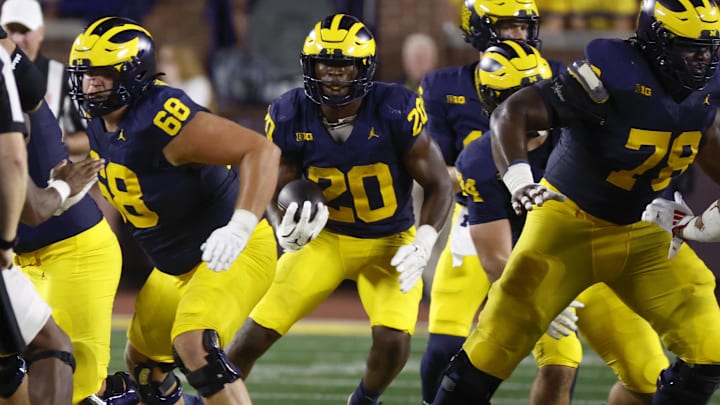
(321,363)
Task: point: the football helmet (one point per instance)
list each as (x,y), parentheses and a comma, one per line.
(479,19)
(122,45)
(338,39)
(667,29)
(506,68)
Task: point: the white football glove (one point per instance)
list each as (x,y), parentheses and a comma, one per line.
(565,323)
(669,215)
(525,192)
(410,260)
(293,235)
(226,243)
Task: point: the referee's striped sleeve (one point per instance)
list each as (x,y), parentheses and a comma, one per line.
(11,115)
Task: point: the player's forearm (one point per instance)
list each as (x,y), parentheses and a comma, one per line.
(437,201)
(509,141)
(258,178)
(13,182)
(40,204)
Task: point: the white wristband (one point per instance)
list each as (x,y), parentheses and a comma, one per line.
(61,187)
(243,221)
(518,176)
(426,236)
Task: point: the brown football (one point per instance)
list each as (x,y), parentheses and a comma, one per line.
(299,191)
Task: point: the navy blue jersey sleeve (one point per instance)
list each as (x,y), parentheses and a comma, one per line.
(486,196)
(279,124)
(438,126)
(405,113)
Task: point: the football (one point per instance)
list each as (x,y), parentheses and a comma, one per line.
(299,191)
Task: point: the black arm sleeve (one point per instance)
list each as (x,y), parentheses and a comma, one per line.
(30,81)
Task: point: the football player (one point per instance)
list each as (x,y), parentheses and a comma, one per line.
(363,142)
(170,171)
(459,284)
(493,228)
(637,112)
(28,328)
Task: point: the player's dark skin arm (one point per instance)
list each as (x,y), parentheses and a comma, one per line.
(425,163)
(509,125)
(710,150)
(41,203)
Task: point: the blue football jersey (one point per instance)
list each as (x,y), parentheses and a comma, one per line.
(455,116)
(612,168)
(487,198)
(364,179)
(45,150)
(171,210)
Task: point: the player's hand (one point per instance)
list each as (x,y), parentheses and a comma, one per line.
(225,244)
(672,216)
(410,260)
(524,191)
(79,178)
(565,323)
(525,198)
(293,235)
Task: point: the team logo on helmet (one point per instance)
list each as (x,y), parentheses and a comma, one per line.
(506,68)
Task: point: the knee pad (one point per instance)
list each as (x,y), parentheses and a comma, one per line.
(463,383)
(685,384)
(212,377)
(152,392)
(12,371)
(65,357)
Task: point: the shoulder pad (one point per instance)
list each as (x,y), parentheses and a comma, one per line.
(284,108)
(586,75)
(393,100)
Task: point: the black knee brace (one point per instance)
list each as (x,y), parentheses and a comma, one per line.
(212,377)
(65,357)
(686,384)
(463,383)
(153,393)
(12,371)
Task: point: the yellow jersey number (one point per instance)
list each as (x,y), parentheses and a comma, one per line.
(354,181)
(626,179)
(418,116)
(172,117)
(469,189)
(121,187)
